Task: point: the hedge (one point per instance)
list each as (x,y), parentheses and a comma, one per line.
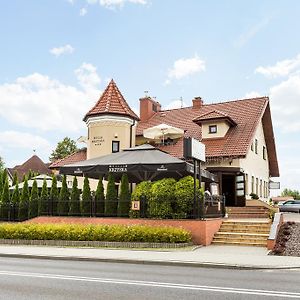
(109,233)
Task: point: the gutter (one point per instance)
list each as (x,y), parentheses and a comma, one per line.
(130,142)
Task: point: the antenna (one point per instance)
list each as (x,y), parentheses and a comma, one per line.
(181,102)
(34,150)
(146,93)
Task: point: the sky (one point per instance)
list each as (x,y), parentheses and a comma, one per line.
(57,56)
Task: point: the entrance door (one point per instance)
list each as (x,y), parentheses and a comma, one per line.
(228,189)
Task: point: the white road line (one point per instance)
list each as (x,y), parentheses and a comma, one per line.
(268,293)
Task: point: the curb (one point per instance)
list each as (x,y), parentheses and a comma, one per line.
(149,262)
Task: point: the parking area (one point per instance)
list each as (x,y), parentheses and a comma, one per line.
(291,217)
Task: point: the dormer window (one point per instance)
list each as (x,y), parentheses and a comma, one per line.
(212,129)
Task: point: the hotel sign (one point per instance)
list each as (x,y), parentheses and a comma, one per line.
(97,140)
(117,168)
(194,149)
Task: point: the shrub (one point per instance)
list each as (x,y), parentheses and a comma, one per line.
(54,195)
(100,198)
(124,199)
(113,233)
(43,200)
(254,196)
(34,200)
(5,200)
(86,198)
(15,199)
(23,204)
(162,195)
(141,193)
(111,199)
(63,199)
(75,199)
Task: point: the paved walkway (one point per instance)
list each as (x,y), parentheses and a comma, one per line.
(211,256)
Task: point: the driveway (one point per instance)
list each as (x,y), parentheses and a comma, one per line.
(291,217)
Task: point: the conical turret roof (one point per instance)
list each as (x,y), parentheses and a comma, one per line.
(111,102)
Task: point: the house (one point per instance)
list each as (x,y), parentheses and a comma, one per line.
(33,164)
(238,135)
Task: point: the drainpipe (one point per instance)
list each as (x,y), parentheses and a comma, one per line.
(130,141)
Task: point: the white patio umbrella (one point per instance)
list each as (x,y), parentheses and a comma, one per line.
(163,131)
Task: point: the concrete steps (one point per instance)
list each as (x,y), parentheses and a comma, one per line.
(243,233)
(248,212)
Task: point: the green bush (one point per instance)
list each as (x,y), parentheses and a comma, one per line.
(112,233)
(44,199)
(111,199)
(63,199)
(54,195)
(141,193)
(86,198)
(75,199)
(100,198)
(24,201)
(124,199)
(34,201)
(5,200)
(161,198)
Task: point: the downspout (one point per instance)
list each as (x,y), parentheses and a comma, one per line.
(130,141)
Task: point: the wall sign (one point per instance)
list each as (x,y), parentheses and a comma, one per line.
(97,140)
(135,205)
(117,168)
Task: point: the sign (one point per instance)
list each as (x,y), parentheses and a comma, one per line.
(135,205)
(162,168)
(117,168)
(194,149)
(214,189)
(78,171)
(274,185)
(97,140)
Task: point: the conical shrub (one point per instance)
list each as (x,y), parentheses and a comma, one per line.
(124,198)
(75,199)
(34,201)
(111,199)
(24,201)
(54,197)
(43,208)
(100,198)
(86,198)
(5,201)
(64,196)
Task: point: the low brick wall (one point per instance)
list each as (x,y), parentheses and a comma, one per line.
(202,230)
(278,221)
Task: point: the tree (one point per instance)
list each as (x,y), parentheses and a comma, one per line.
(23,204)
(100,198)
(293,193)
(75,199)
(15,179)
(43,207)
(111,199)
(64,148)
(5,201)
(124,199)
(2,164)
(86,198)
(63,200)
(1,182)
(34,201)
(15,200)
(54,195)
(4,176)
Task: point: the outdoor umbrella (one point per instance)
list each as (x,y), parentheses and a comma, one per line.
(143,162)
(163,131)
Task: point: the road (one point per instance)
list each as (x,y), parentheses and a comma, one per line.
(52,279)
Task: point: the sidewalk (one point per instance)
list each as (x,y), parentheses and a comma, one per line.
(210,256)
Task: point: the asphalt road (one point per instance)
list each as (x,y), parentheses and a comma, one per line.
(51,279)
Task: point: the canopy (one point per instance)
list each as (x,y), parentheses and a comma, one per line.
(143,162)
(163,131)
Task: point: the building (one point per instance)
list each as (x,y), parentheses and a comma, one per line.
(238,135)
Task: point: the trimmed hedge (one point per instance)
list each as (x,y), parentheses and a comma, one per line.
(109,233)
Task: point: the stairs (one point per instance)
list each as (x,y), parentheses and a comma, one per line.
(243,233)
(248,212)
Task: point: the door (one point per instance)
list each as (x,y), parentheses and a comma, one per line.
(228,189)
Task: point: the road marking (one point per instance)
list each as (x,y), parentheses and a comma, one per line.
(219,289)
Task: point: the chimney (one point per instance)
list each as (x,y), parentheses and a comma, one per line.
(197,102)
(148,107)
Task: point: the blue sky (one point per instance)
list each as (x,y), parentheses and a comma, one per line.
(58,55)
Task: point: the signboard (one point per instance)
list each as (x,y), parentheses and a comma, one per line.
(77,171)
(274,185)
(135,205)
(214,189)
(117,168)
(194,149)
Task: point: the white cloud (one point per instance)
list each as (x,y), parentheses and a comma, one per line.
(252,94)
(251,32)
(67,49)
(36,101)
(113,4)
(175,104)
(281,68)
(83,12)
(184,67)
(285,106)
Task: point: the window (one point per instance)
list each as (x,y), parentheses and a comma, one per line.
(115,146)
(256,144)
(264,153)
(212,128)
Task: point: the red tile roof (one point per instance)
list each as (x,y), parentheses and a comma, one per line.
(77,156)
(214,115)
(245,113)
(111,102)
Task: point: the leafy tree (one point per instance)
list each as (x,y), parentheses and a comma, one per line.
(5,201)
(124,199)
(24,201)
(15,199)
(293,193)
(43,200)
(4,176)
(2,164)
(34,201)
(64,148)
(100,198)
(1,182)
(64,196)
(15,179)
(75,199)
(54,196)
(111,199)
(86,198)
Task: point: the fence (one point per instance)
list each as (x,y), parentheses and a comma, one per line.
(210,207)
